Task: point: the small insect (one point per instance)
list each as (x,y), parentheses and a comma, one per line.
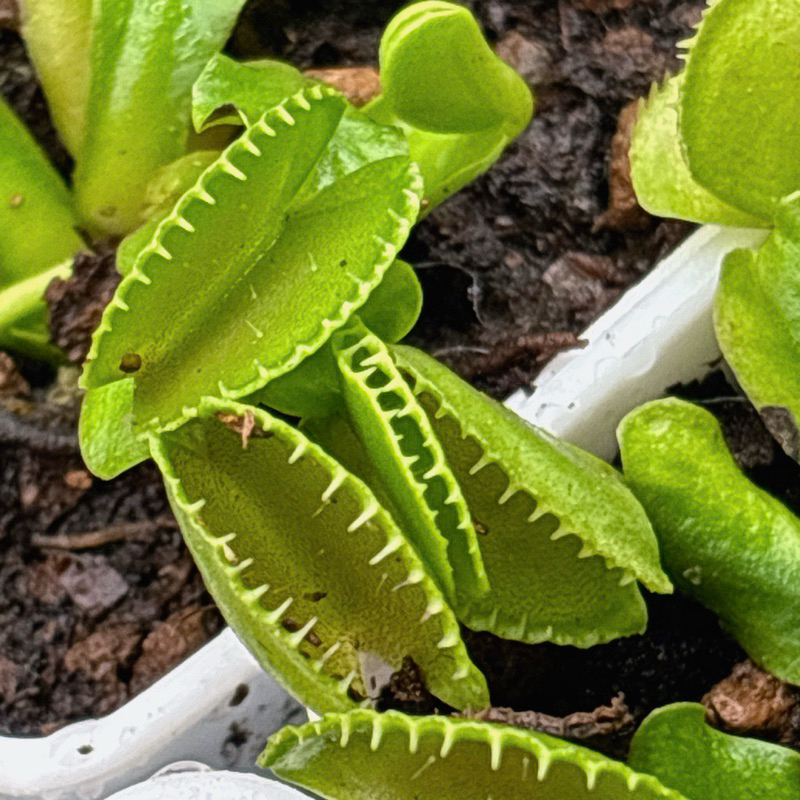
(480,528)
(130,362)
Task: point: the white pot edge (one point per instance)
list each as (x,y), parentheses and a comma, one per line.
(659,333)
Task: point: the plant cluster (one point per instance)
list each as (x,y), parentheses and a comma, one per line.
(725,127)
(349,501)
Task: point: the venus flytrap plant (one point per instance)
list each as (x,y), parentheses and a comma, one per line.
(363,755)
(562,539)
(726,127)
(458,107)
(320,251)
(408,465)
(724,542)
(403,502)
(308,568)
(545,543)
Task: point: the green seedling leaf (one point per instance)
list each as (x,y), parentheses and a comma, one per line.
(458,104)
(321,257)
(409,465)
(393,308)
(109,442)
(676,745)
(740,104)
(661,177)
(724,542)
(439,74)
(37,223)
(307,567)
(145,57)
(755,333)
(23,316)
(364,755)
(230,92)
(562,538)
(312,388)
(58,36)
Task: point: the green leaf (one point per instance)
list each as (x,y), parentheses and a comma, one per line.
(458,104)
(439,74)
(364,755)
(37,223)
(23,316)
(109,442)
(320,258)
(676,745)
(304,563)
(562,539)
(740,103)
(755,332)
(409,465)
(58,36)
(393,307)
(661,177)
(230,92)
(725,542)
(312,388)
(145,57)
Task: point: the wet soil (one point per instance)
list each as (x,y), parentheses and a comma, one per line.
(97,594)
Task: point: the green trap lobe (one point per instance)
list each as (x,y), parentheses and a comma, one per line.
(306,566)
(409,463)
(363,756)
(562,539)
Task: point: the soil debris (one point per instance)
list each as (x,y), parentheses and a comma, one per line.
(12,385)
(92,584)
(103,652)
(358,84)
(406,691)
(244,425)
(76,303)
(9,15)
(624,211)
(753,702)
(168,644)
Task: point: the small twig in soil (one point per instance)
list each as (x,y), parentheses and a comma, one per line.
(86,540)
(16,432)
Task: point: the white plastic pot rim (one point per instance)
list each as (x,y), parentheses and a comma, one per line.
(194,781)
(659,333)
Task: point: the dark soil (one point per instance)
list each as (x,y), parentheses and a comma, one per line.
(98,594)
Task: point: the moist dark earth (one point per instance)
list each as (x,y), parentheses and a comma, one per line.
(97,593)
